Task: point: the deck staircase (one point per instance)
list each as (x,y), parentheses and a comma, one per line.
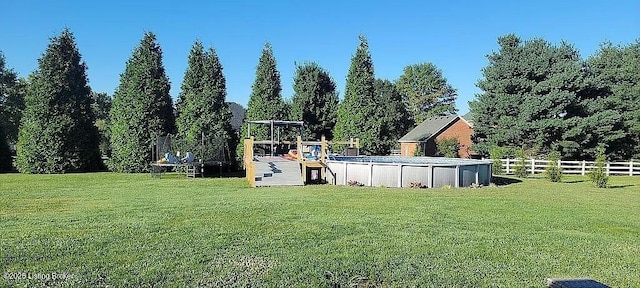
(277,171)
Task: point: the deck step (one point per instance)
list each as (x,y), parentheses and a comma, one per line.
(277,171)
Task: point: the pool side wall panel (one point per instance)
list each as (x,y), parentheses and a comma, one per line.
(417,174)
(403,174)
(384,175)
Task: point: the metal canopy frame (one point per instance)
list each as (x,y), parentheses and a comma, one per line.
(272,124)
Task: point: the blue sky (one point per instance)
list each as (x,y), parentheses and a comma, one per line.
(454,35)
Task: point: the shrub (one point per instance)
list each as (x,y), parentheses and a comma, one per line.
(553,172)
(419,152)
(417,185)
(354,183)
(448,147)
(598,175)
(520,169)
(496,154)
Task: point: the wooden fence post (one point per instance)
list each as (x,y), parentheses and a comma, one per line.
(533,165)
(608,168)
(508,166)
(584,167)
(630,167)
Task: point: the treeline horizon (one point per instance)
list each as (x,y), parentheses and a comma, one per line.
(536,96)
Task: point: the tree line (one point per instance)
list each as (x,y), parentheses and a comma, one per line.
(378,111)
(535,96)
(541,98)
(57,124)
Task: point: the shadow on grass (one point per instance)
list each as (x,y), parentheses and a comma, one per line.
(503,181)
(621,186)
(574,181)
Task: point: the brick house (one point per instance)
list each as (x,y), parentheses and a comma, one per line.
(426,135)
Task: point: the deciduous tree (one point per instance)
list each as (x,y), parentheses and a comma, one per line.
(394,118)
(426,92)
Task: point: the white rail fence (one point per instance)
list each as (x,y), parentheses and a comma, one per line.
(629,168)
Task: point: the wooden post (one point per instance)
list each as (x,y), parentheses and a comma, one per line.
(508,166)
(299,149)
(370,180)
(630,167)
(272,138)
(323,156)
(351,142)
(584,167)
(608,168)
(323,148)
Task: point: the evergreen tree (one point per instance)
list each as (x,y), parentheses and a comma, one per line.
(7,82)
(395,121)
(203,114)
(101,104)
(265,101)
(358,110)
(5,152)
(528,90)
(426,92)
(608,114)
(192,87)
(12,94)
(315,101)
(142,108)
(57,134)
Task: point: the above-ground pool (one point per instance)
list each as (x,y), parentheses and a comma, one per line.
(400,171)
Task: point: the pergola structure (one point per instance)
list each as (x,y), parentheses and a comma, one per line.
(273,124)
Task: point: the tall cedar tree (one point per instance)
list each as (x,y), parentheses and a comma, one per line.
(57,134)
(142,109)
(358,113)
(527,91)
(203,114)
(394,116)
(192,87)
(315,101)
(608,112)
(5,152)
(12,94)
(101,104)
(265,101)
(426,92)
(7,82)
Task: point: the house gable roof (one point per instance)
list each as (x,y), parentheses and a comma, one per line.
(469,118)
(428,128)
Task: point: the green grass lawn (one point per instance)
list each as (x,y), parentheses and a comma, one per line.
(118,230)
